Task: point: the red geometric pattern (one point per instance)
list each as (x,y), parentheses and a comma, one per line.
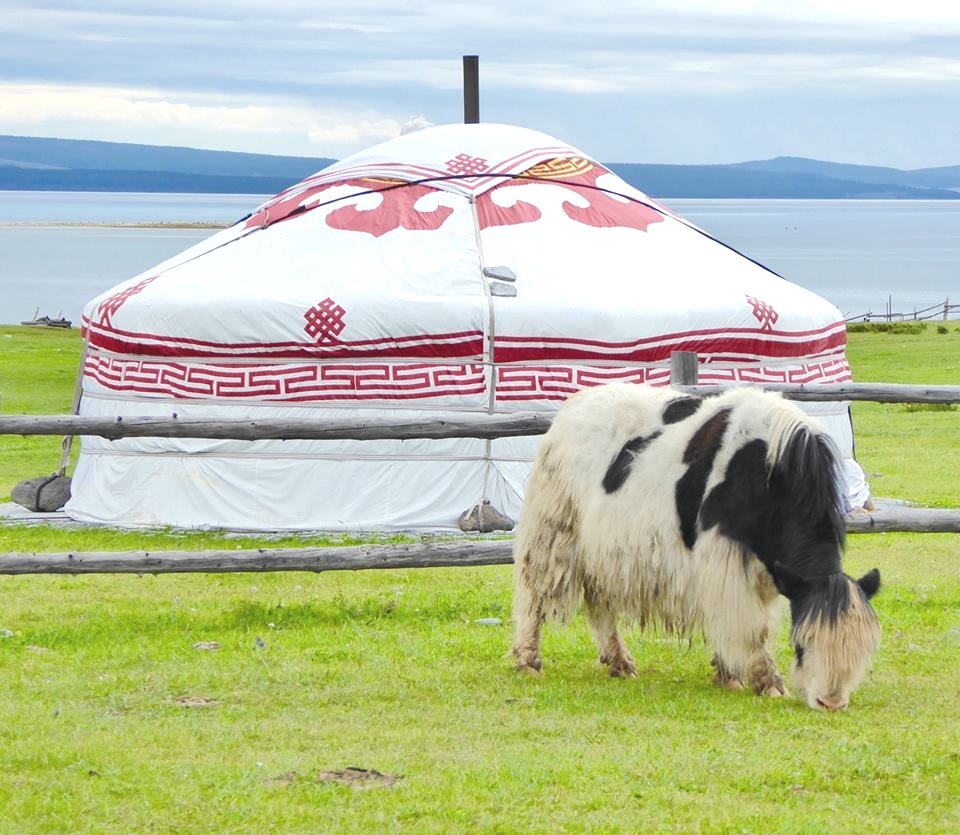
(399,198)
(308,382)
(304,197)
(464,164)
(397,209)
(572,175)
(107,308)
(764,313)
(324,321)
(745,345)
(556,383)
(344,383)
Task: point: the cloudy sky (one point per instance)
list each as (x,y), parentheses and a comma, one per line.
(700,81)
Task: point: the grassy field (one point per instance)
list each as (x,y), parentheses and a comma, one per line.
(117,714)
(909,451)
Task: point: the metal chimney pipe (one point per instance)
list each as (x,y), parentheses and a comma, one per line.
(471,89)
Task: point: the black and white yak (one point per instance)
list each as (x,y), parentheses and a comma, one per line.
(694,513)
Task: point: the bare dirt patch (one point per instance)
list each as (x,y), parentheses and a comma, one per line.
(356,778)
(195,701)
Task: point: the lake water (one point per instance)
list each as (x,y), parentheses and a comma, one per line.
(853,252)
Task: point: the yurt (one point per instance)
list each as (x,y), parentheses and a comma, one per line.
(460,269)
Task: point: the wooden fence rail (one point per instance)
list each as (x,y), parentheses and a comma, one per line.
(416,555)
(471,552)
(355,557)
(872,392)
(468,426)
(369,429)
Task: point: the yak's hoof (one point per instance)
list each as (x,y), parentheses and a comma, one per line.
(773,687)
(529,664)
(621,666)
(722,677)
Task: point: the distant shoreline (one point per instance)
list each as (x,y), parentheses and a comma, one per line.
(83,224)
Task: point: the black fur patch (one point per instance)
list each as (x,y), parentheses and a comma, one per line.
(699,455)
(680,408)
(788,515)
(618,471)
(741,504)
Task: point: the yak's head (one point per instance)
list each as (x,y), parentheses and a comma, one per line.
(835,633)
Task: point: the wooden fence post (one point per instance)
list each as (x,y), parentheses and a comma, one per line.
(683,368)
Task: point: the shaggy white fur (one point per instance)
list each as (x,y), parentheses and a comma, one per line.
(623,550)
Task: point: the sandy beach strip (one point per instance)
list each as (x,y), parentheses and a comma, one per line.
(82,224)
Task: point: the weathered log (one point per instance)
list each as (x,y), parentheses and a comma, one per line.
(467,552)
(905,520)
(357,557)
(875,392)
(468,426)
(472,426)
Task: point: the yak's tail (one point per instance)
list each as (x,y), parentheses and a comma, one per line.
(547,575)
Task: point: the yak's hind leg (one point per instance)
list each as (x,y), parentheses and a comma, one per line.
(528,616)
(603,624)
(545,585)
(546,582)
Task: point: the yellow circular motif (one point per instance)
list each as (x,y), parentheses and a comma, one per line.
(556,169)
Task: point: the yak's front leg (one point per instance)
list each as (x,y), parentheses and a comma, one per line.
(762,674)
(603,624)
(724,677)
(739,622)
(743,657)
(750,664)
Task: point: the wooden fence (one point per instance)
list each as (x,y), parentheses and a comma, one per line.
(473,426)
(935,311)
(469,552)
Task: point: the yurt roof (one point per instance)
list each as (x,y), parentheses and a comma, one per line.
(384,254)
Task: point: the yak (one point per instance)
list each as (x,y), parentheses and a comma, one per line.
(695,513)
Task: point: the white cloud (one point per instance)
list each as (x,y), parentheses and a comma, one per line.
(720,73)
(36,104)
(32,107)
(414,123)
(866,15)
(325,78)
(352,134)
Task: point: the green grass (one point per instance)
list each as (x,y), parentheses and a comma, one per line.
(389,670)
(38,371)
(909,452)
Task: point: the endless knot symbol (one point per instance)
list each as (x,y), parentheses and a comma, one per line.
(324,321)
(464,164)
(765,315)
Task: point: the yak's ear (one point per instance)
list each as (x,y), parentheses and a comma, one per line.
(870,583)
(790,584)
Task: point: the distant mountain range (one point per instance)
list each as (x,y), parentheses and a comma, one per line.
(39,164)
